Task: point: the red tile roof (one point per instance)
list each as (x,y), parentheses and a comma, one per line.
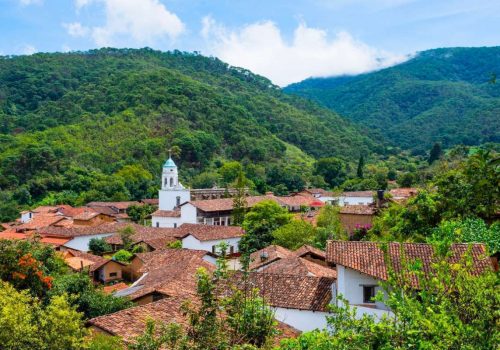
(291,291)
(166,257)
(114,287)
(167,213)
(151,201)
(118,205)
(94,262)
(147,235)
(226,204)
(130,323)
(301,267)
(359,194)
(368,257)
(271,253)
(210,232)
(307,249)
(403,192)
(39,221)
(297,200)
(77,231)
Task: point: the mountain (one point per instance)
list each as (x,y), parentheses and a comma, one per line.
(443,95)
(96,125)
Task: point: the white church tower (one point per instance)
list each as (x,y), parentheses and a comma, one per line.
(172,193)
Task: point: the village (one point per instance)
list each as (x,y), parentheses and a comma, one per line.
(189,228)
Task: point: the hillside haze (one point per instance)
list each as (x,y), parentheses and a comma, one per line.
(89,125)
(444,95)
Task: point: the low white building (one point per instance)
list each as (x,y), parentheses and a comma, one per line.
(355,198)
(209,237)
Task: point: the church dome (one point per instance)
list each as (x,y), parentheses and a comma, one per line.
(169,163)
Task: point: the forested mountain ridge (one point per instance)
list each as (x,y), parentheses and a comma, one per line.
(96,125)
(444,95)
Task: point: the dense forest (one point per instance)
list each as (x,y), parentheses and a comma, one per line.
(96,125)
(443,95)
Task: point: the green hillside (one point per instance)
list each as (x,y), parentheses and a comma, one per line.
(443,95)
(96,125)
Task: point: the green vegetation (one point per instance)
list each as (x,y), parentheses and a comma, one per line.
(443,95)
(96,125)
(294,234)
(99,246)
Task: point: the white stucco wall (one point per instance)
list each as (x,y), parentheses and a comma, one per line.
(350,284)
(355,200)
(188,213)
(25,217)
(157,221)
(303,320)
(191,242)
(81,243)
(168,198)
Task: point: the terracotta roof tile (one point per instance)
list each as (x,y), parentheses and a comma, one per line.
(297,200)
(403,192)
(76,231)
(226,204)
(93,261)
(118,205)
(301,267)
(359,194)
(210,232)
(39,221)
(268,255)
(167,213)
(368,257)
(114,287)
(307,249)
(147,234)
(166,257)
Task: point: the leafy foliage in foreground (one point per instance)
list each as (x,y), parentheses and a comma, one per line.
(442,95)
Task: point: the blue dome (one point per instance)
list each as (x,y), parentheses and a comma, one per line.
(169,163)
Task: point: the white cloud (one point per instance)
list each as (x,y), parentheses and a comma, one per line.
(28,49)
(76,29)
(134,22)
(261,48)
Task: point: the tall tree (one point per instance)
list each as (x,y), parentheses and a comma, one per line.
(435,153)
(361,164)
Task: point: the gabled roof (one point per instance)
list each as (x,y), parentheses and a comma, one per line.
(130,323)
(166,257)
(368,257)
(226,204)
(268,255)
(118,205)
(291,291)
(39,221)
(297,200)
(75,259)
(84,230)
(403,192)
(167,213)
(300,266)
(307,249)
(210,232)
(147,235)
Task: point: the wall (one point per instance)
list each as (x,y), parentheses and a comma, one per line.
(303,320)
(354,200)
(167,198)
(110,267)
(188,213)
(25,217)
(349,221)
(350,284)
(166,222)
(191,242)
(81,243)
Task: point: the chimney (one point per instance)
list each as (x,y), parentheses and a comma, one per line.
(380,198)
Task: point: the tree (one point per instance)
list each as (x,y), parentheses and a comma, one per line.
(139,213)
(294,234)
(435,153)
(137,180)
(260,222)
(406,180)
(230,171)
(329,226)
(126,237)
(332,170)
(239,201)
(123,255)
(361,164)
(26,324)
(99,246)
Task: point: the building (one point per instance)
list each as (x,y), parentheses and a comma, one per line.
(209,237)
(171,195)
(361,266)
(99,268)
(354,217)
(355,198)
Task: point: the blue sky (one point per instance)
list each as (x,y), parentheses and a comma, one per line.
(285,40)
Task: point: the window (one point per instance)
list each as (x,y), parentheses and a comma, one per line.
(231,249)
(165,181)
(214,247)
(175,225)
(178,201)
(113,274)
(368,294)
(157,224)
(171,182)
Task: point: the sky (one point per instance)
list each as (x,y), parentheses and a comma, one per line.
(284,40)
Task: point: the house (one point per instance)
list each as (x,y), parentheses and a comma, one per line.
(321,194)
(361,266)
(402,194)
(356,198)
(295,265)
(92,218)
(208,237)
(175,276)
(149,238)
(144,262)
(301,302)
(99,268)
(130,323)
(116,209)
(357,216)
(267,256)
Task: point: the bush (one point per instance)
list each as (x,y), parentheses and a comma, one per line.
(123,255)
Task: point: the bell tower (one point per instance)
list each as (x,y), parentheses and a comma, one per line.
(172,193)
